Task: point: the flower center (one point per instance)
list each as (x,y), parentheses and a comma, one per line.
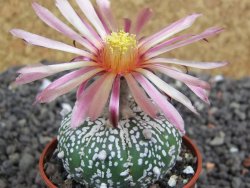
(119,54)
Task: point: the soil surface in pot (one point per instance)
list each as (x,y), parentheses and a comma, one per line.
(177,177)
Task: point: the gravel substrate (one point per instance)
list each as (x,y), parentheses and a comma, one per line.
(221,132)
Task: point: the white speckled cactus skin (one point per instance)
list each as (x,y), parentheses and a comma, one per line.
(137,153)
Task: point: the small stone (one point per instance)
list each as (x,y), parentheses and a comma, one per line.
(236,182)
(51,169)
(246,162)
(211,126)
(3,183)
(188,157)
(44,139)
(218,140)
(240,114)
(179,158)
(66,108)
(67,183)
(184,181)
(14,158)
(188,170)
(172,180)
(26,161)
(10,149)
(44,84)
(234,105)
(234,150)
(210,166)
(218,78)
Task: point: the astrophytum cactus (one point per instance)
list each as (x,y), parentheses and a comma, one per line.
(135,154)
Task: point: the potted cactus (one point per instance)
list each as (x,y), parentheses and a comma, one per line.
(123,130)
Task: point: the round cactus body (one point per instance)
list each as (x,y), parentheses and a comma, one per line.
(135,154)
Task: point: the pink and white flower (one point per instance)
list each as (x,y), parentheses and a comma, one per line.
(109,53)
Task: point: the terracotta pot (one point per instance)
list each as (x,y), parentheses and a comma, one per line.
(49,149)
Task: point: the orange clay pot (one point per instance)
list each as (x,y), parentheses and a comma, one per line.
(49,149)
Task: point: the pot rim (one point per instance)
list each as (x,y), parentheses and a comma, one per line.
(50,147)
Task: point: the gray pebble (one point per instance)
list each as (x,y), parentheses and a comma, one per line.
(218,140)
(26,162)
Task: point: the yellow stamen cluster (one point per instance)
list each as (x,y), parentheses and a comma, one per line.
(119,54)
(120,42)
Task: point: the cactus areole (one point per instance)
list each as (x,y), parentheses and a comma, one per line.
(135,154)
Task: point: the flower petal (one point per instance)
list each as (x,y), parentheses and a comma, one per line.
(127,25)
(168,32)
(140,97)
(168,110)
(52,21)
(102,19)
(55,68)
(81,89)
(33,73)
(69,13)
(89,11)
(207,33)
(104,7)
(114,102)
(29,77)
(100,97)
(65,84)
(188,79)
(167,43)
(48,43)
(142,19)
(193,64)
(169,90)
(200,92)
(83,103)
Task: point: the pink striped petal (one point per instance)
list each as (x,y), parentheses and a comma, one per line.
(101,96)
(168,32)
(89,11)
(69,13)
(127,25)
(48,43)
(140,97)
(188,79)
(29,77)
(83,103)
(91,29)
(81,89)
(142,19)
(167,43)
(33,73)
(193,64)
(55,68)
(200,92)
(45,15)
(66,84)
(102,19)
(80,58)
(114,102)
(207,33)
(168,110)
(104,7)
(169,90)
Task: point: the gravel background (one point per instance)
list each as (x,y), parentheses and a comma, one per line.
(221,132)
